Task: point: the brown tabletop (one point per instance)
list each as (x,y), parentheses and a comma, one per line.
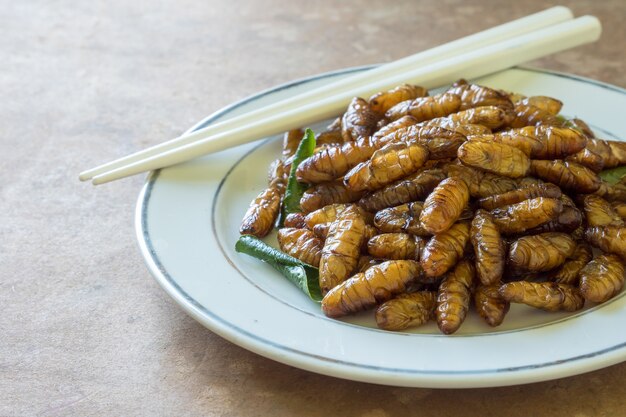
(85,330)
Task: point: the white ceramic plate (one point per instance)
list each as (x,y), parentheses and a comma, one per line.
(187,224)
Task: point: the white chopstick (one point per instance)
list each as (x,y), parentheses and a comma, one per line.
(487,37)
(473,64)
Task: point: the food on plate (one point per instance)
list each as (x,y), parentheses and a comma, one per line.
(415,204)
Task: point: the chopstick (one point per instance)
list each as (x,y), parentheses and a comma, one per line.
(473,63)
(487,37)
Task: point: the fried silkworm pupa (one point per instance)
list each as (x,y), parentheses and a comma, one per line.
(426,108)
(582,126)
(329,137)
(358,121)
(383,101)
(517,196)
(387,165)
(491,117)
(620,208)
(569,220)
(474,95)
(442,143)
(412,188)
(494,157)
(545,103)
(364,290)
(321,230)
(569,272)
(611,192)
(530,115)
(301,244)
(406,310)
(548,296)
(327,193)
(602,278)
(398,125)
(489,248)
(261,215)
(291,140)
(610,239)
(600,212)
(470,130)
(396,246)
(444,249)
(401,219)
(481,184)
(453,297)
(540,253)
(519,217)
(490,305)
(444,205)
(278,173)
(612,152)
(333,162)
(331,212)
(567,175)
(295,220)
(587,159)
(543,142)
(341,250)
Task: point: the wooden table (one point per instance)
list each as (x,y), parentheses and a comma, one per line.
(85,330)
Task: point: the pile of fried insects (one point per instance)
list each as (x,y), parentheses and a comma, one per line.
(417,204)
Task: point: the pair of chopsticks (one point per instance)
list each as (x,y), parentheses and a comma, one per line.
(483,53)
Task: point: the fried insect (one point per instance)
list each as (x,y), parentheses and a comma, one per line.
(545,103)
(474,95)
(517,196)
(426,108)
(602,278)
(398,125)
(490,305)
(493,157)
(611,192)
(441,142)
(569,220)
(470,130)
(327,193)
(291,140)
(491,117)
(341,250)
(548,296)
(519,217)
(582,126)
(366,262)
(453,297)
(296,220)
(567,175)
(321,230)
(333,162)
(587,159)
(542,142)
(444,249)
(261,215)
(406,310)
(600,212)
(612,152)
(482,184)
(330,213)
(489,248)
(540,253)
(383,101)
(530,115)
(569,272)
(387,165)
(401,219)
(444,205)
(358,121)
(412,188)
(396,246)
(610,239)
(620,208)
(364,290)
(301,244)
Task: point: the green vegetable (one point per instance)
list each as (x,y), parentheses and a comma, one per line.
(304,276)
(295,189)
(614,175)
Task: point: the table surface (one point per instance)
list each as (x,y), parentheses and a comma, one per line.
(85,329)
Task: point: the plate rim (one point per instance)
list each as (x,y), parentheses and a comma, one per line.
(328,366)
